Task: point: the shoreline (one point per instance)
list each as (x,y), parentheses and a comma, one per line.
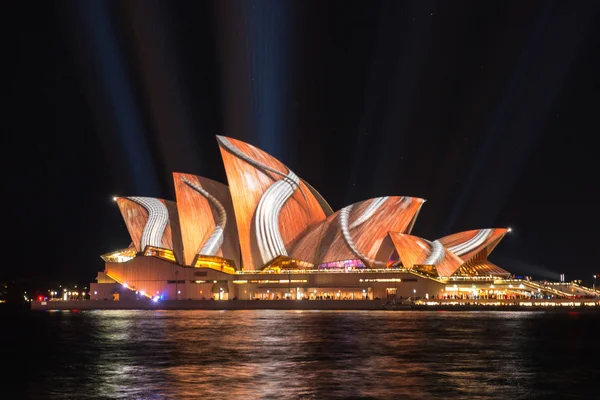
(357,305)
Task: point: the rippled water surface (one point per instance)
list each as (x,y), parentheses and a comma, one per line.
(300,355)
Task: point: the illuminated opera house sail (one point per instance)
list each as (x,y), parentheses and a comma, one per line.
(268,234)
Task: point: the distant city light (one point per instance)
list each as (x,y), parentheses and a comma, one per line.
(155,299)
(114,198)
(509,229)
(125,286)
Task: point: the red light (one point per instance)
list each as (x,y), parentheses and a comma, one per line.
(40,298)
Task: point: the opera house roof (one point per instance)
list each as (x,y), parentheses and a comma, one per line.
(268,216)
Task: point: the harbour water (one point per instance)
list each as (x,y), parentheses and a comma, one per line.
(275,354)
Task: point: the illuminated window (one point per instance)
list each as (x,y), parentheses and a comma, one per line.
(345,265)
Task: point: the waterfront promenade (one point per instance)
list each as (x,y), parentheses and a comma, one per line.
(492,304)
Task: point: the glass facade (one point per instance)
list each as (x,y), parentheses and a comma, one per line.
(345,265)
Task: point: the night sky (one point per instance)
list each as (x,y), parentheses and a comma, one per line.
(489,110)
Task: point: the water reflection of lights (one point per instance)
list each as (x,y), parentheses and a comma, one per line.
(306,354)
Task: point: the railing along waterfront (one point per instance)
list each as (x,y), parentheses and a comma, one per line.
(453,279)
(509,302)
(328,271)
(575,285)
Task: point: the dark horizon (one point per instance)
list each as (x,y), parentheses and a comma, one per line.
(487,110)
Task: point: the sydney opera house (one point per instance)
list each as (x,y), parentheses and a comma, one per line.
(268,234)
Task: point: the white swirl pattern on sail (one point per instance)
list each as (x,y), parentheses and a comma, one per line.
(471,244)
(367,213)
(215,241)
(268,236)
(436,255)
(269,207)
(158,217)
(240,154)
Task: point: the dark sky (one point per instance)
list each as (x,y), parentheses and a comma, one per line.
(487,109)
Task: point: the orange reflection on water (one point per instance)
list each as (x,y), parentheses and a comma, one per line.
(311,354)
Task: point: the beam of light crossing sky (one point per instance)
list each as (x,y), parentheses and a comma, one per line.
(118,90)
